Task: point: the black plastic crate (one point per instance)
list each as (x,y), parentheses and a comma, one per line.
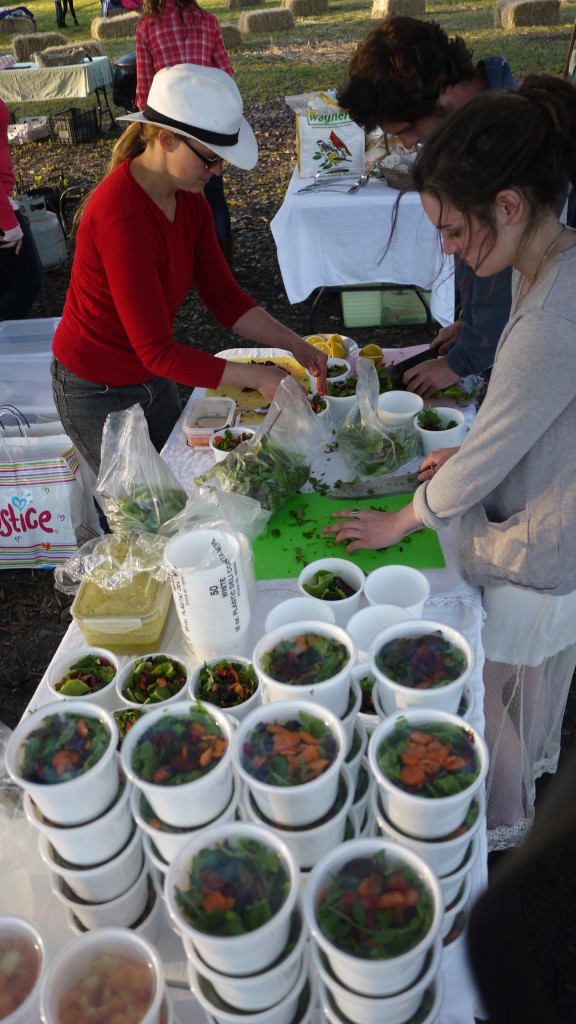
(74,125)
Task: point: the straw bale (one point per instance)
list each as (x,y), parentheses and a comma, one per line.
(232,37)
(92,47)
(522,13)
(274,19)
(17,23)
(115,28)
(304,8)
(24,46)
(237,5)
(393,8)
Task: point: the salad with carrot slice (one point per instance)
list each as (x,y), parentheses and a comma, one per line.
(421,662)
(305,659)
(179,749)
(291,753)
(226,683)
(434,760)
(63,747)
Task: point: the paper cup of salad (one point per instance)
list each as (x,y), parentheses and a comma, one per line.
(232,891)
(152,679)
(289,755)
(63,755)
(428,766)
(368,713)
(308,661)
(421,664)
(226,441)
(180,757)
(22,966)
(231,684)
(87,673)
(336,582)
(375,910)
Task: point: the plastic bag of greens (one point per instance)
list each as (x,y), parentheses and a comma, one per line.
(138,491)
(275,463)
(367,445)
(113,561)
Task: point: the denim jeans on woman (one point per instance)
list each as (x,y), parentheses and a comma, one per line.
(21,276)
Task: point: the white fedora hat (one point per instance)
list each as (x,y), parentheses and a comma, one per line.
(203,104)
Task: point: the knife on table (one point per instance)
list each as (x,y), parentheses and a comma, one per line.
(396,371)
(403,483)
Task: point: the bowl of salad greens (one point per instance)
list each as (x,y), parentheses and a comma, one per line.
(180,757)
(63,755)
(439,427)
(283,1012)
(229,683)
(87,673)
(308,661)
(401,1008)
(420,664)
(428,766)
(375,910)
(337,370)
(227,441)
(151,679)
(289,755)
(232,891)
(336,582)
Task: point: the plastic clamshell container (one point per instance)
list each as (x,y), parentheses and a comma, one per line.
(128,620)
(205,416)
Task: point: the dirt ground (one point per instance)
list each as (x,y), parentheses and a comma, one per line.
(34,617)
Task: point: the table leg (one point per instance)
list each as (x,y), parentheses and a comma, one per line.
(101,94)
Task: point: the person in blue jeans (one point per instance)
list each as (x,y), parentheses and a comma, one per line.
(406,77)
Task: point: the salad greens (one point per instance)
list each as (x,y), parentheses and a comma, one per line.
(305,659)
(179,749)
(375,909)
(328,586)
(377,451)
(434,760)
(87,675)
(336,370)
(429,419)
(144,508)
(343,388)
(265,471)
(125,719)
(367,685)
(317,402)
(234,887)
(228,441)
(291,753)
(421,662)
(153,679)
(226,683)
(63,747)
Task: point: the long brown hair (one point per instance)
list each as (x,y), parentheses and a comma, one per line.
(131,143)
(155,8)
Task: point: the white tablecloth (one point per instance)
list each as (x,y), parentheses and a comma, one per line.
(339,240)
(27,83)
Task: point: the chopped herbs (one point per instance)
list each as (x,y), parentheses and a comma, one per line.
(305,659)
(289,754)
(329,586)
(429,419)
(226,683)
(421,662)
(63,747)
(265,472)
(179,749)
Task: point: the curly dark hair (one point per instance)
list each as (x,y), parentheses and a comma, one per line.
(399,70)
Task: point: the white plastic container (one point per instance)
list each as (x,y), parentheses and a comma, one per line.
(445,438)
(204,417)
(349,572)
(16,929)
(46,229)
(398,408)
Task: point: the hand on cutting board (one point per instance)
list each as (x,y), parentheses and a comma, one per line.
(447,337)
(426,378)
(432,463)
(368,528)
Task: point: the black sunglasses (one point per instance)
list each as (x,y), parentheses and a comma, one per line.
(208,161)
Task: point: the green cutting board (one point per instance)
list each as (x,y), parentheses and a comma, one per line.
(293,538)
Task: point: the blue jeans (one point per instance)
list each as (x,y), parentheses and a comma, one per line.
(21,276)
(83,407)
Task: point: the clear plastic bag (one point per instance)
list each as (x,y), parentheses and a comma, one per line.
(368,447)
(138,490)
(112,561)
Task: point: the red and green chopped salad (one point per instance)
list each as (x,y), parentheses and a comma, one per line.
(289,754)
(343,388)
(375,909)
(317,402)
(228,441)
(367,685)
(234,887)
(305,659)
(421,662)
(125,719)
(434,760)
(226,683)
(87,675)
(154,679)
(336,370)
(179,749)
(63,747)
(329,586)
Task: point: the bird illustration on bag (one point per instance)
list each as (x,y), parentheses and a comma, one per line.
(332,153)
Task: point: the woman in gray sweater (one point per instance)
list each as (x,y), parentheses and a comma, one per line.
(488,179)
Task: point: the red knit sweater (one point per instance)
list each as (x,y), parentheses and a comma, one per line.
(7,215)
(132,269)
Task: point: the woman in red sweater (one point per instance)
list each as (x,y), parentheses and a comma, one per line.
(145,237)
(20,266)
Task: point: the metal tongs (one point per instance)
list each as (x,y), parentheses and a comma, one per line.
(328,182)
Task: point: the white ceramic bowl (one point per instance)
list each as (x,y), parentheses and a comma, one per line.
(298,609)
(99,882)
(451,438)
(369,720)
(310,842)
(60,667)
(350,573)
(434,993)
(94,841)
(192,803)
(443,855)
(398,408)
(167,839)
(424,817)
(282,1012)
(256,992)
(366,623)
(236,711)
(20,935)
(394,696)
(123,678)
(331,693)
(401,585)
(348,719)
(357,750)
(76,962)
(458,905)
(120,912)
(251,951)
(220,455)
(333,363)
(396,1009)
(372,977)
(75,800)
(149,927)
(291,805)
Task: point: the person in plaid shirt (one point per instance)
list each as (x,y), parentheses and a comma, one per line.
(180,32)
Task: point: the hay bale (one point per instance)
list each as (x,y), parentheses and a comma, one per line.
(92,47)
(8,26)
(523,13)
(232,37)
(237,5)
(24,46)
(393,8)
(275,19)
(120,27)
(304,8)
